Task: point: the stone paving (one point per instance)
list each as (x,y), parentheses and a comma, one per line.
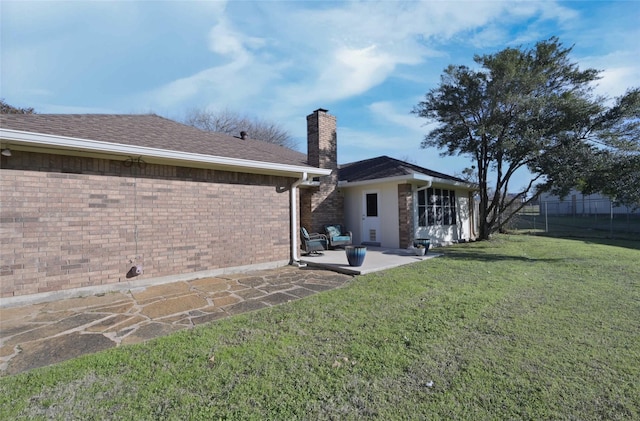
(47,333)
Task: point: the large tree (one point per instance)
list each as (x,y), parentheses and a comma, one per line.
(616,172)
(521,108)
(233,123)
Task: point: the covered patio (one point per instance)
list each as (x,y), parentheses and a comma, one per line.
(376,259)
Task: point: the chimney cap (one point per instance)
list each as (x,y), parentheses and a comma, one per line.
(321,110)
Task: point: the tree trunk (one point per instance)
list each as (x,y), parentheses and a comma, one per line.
(485,227)
(485,231)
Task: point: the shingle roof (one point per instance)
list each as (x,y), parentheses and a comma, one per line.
(151,131)
(385,167)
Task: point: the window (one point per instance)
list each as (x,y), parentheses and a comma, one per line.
(372,204)
(436,207)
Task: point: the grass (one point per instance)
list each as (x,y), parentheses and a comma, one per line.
(522,327)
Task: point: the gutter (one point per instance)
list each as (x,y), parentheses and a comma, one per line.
(408,178)
(17,138)
(428,186)
(293,199)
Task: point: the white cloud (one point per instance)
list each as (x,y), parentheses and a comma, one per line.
(551,10)
(360,69)
(236,85)
(615,80)
(346,49)
(620,71)
(385,35)
(347,72)
(233,83)
(399,116)
(226,41)
(223,41)
(322,53)
(489,36)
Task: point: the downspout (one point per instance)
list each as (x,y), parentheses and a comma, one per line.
(295,260)
(472,217)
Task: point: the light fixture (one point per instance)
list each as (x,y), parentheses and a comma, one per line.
(6,152)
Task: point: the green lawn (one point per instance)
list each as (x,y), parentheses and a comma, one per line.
(522,327)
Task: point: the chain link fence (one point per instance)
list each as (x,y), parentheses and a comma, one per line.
(584,217)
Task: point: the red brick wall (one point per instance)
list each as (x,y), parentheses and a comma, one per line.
(68,222)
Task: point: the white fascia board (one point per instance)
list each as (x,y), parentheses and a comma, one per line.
(409,178)
(16,137)
(468,186)
(398,179)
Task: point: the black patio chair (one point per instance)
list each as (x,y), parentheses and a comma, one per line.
(312,243)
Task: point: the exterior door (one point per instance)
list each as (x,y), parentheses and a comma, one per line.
(371,218)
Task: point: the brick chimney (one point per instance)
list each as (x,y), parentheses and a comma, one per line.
(324,204)
(322,145)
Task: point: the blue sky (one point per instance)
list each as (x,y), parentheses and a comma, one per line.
(367,62)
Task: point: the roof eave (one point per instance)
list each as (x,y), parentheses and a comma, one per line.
(463,184)
(415,178)
(397,179)
(76,146)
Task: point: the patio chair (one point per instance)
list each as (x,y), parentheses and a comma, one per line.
(312,243)
(337,235)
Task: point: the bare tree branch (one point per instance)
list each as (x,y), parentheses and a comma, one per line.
(233,123)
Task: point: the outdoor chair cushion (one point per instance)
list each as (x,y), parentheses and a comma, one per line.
(337,235)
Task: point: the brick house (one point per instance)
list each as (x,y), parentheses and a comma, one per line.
(389,203)
(87,199)
(383,201)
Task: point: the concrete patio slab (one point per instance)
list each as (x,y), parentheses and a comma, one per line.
(376,259)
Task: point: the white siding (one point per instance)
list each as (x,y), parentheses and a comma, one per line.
(388,211)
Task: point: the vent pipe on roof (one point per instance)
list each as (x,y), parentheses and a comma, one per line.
(243,135)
